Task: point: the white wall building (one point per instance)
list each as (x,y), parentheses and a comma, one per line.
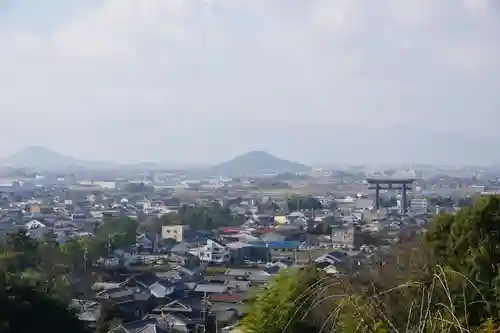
(176,232)
(214,253)
(419,205)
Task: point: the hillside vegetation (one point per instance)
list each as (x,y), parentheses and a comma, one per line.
(446,280)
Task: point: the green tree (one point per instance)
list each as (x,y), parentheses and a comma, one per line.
(269,206)
(55,270)
(25,309)
(114,233)
(205,217)
(24,251)
(468,243)
(151,224)
(446,281)
(296,203)
(170,218)
(40,263)
(138,188)
(328,222)
(75,252)
(284,304)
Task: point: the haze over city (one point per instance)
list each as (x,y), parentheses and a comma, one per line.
(249,166)
(198,82)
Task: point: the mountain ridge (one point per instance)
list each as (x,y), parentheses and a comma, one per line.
(41,158)
(38,157)
(258,162)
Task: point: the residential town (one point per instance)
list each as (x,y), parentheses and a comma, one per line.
(249,166)
(201,248)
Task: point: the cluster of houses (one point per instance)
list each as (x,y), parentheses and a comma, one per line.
(262,238)
(202,284)
(181,299)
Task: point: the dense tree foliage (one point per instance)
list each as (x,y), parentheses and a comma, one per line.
(28,310)
(50,266)
(203,217)
(35,286)
(152,224)
(138,188)
(39,263)
(445,280)
(38,276)
(449,202)
(284,304)
(269,206)
(468,243)
(296,203)
(117,233)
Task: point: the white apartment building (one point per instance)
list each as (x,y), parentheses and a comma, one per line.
(419,205)
(214,253)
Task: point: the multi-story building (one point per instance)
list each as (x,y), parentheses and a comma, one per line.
(419,205)
(176,232)
(214,253)
(346,236)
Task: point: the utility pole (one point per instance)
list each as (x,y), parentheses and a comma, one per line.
(109,244)
(85,253)
(203,326)
(309,249)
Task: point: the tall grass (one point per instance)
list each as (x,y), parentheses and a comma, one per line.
(335,305)
(340,304)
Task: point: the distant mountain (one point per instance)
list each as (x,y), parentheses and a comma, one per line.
(41,158)
(258,162)
(36,157)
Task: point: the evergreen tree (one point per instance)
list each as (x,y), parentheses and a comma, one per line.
(285,303)
(26,310)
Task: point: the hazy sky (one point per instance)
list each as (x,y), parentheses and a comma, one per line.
(193,81)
